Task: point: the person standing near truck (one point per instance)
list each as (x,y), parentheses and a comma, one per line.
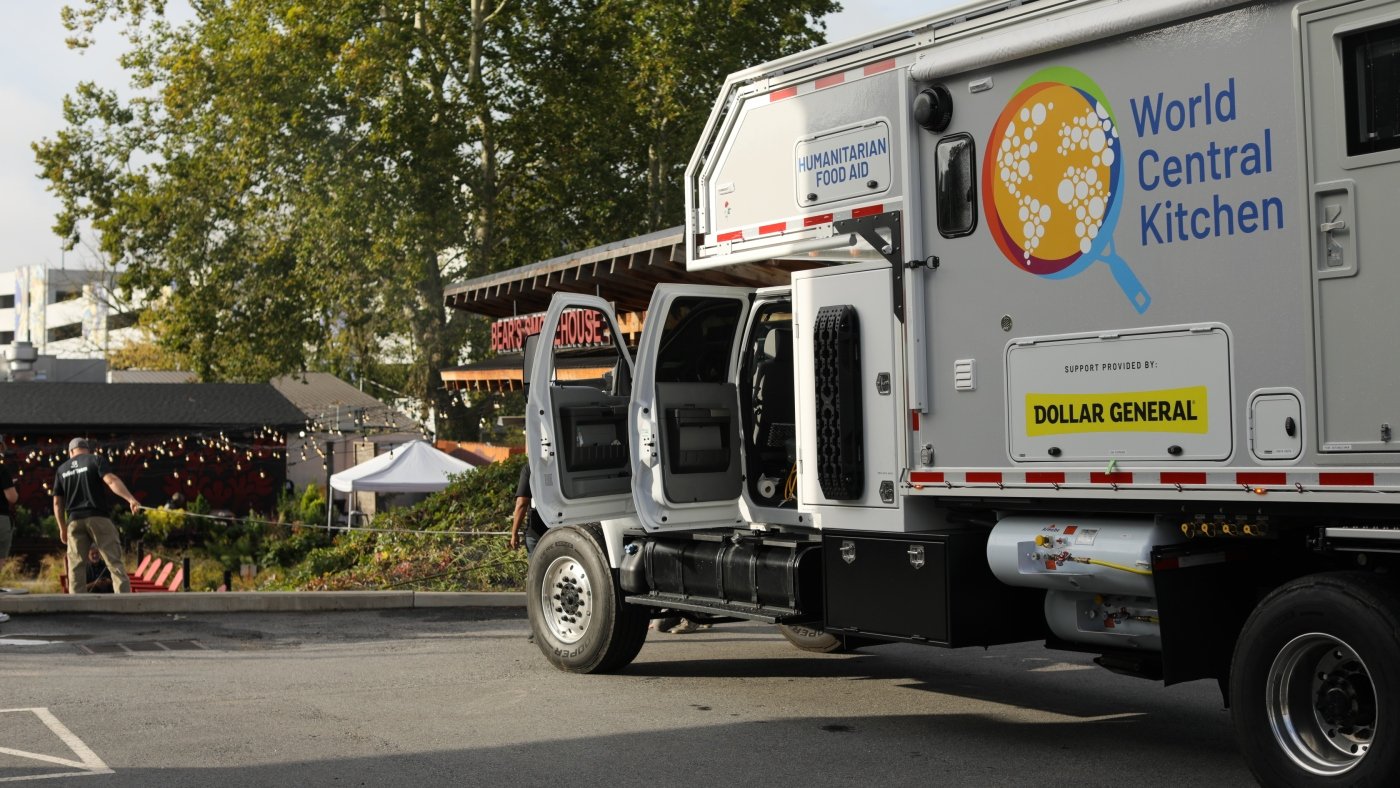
(80,506)
(9,496)
(524,511)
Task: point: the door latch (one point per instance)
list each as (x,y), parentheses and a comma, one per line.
(916,556)
(1333,224)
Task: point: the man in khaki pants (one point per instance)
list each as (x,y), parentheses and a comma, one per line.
(80,506)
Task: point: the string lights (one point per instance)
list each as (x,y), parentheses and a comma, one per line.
(38,455)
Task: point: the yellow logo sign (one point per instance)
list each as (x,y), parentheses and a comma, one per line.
(1168,410)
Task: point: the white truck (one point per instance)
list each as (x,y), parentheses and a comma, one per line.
(1104,351)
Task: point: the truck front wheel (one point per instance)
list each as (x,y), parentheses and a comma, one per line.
(1315,683)
(576,610)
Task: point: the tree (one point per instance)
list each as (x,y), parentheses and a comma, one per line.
(303,180)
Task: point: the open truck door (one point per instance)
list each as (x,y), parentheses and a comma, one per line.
(685,412)
(576,431)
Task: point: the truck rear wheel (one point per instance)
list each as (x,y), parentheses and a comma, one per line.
(1315,683)
(576,610)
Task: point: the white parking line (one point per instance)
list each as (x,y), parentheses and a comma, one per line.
(88,763)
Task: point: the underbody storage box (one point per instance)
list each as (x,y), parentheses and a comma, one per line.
(932,587)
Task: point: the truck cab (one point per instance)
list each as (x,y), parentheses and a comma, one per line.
(697,432)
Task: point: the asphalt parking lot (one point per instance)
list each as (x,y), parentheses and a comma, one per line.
(457,696)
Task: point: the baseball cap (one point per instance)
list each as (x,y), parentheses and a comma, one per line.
(79,443)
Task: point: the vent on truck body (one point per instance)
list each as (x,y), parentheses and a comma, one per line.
(836,367)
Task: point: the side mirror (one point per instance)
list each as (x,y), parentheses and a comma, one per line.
(532,344)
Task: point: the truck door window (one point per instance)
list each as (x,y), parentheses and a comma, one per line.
(697,341)
(1371,80)
(956,185)
(586,354)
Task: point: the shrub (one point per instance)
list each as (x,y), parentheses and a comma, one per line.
(290,550)
(479,500)
(312,509)
(162,525)
(11,570)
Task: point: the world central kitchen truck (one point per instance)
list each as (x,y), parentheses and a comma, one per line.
(1103,350)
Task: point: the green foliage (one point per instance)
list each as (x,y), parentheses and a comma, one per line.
(48,527)
(292,549)
(23,521)
(131,526)
(207,574)
(163,525)
(479,500)
(199,505)
(419,550)
(312,507)
(299,182)
(27,524)
(232,542)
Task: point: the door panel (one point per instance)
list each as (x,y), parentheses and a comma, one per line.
(685,409)
(862,441)
(1351,94)
(576,430)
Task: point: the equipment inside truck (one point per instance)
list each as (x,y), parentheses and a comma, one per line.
(767,401)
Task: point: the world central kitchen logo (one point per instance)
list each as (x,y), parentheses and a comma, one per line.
(1052,181)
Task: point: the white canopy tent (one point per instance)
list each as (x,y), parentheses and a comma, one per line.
(413,467)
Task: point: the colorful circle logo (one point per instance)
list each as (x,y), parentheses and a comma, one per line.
(1052,180)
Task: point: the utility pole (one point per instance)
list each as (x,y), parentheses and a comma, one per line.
(330,493)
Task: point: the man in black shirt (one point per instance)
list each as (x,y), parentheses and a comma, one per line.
(80,506)
(8,496)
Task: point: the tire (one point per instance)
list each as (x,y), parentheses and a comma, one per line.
(813,640)
(576,610)
(1315,683)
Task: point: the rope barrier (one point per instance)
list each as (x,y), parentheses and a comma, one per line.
(343,528)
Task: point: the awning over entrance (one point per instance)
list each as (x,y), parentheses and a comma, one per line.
(503,373)
(624,273)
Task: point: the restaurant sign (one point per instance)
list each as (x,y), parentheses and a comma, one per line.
(577,328)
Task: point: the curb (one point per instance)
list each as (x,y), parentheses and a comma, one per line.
(256,601)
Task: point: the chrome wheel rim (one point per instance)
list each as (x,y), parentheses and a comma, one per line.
(1322,704)
(566,597)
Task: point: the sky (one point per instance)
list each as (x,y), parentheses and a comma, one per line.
(37,70)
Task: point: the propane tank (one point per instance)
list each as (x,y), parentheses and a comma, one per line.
(1106,620)
(1098,555)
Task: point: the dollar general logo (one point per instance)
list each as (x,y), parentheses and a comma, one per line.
(1169,410)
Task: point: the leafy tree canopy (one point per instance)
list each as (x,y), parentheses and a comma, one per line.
(302,179)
